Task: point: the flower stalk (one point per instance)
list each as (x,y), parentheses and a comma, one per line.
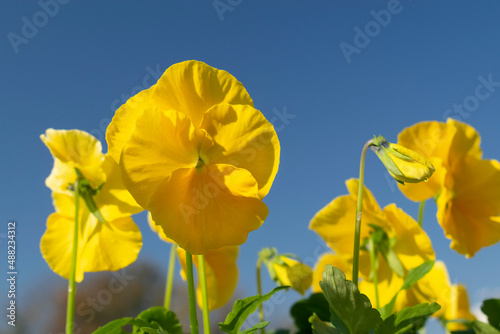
(191,294)
(421,213)
(70,311)
(359,207)
(170,277)
(204,293)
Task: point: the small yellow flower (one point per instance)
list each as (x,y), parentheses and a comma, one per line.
(220,266)
(467,187)
(195,152)
(293,273)
(101,246)
(406,240)
(402,163)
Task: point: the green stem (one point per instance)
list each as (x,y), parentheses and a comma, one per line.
(191,293)
(70,311)
(421,213)
(374,269)
(359,207)
(170,277)
(204,292)
(259,291)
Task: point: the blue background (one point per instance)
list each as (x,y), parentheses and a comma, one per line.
(86,58)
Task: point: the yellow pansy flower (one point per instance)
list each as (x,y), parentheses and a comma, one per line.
(101,246)
(195,152)
(293,273)
(406,240)
(467,187)
(220,266)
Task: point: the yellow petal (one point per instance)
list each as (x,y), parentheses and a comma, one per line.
(413,246)
(109,246)
(244,138)
(469,205)
(191,87)
(342,262)
(160,143)
(335,223)
(221,271)
(73,148)
(294,274)
(114,200)
(158,229)
(458,308)
(208,207)
(465,142)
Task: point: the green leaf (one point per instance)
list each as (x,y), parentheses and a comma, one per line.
(160,318)
(321,327)
(114,327)
(408,320)
(412,277)
(351,311)
(491,307)
(242,308)
(482,328)
(302,310)
(257,327)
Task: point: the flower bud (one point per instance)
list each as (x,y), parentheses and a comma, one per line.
(402,163)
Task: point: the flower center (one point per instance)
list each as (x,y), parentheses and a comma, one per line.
(200,163)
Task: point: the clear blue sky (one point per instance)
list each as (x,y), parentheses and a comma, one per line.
(71,65)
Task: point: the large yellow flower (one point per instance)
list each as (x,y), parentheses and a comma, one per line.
(196,154)
(220,267)
(467,187)
(409,243)
(101,246)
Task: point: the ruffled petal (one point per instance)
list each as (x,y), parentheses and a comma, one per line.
(413,246)
(245,139)
(73,148)
(160,143)
(221,271)
(208,207)
(109,246)
(191,87)
(469,205)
